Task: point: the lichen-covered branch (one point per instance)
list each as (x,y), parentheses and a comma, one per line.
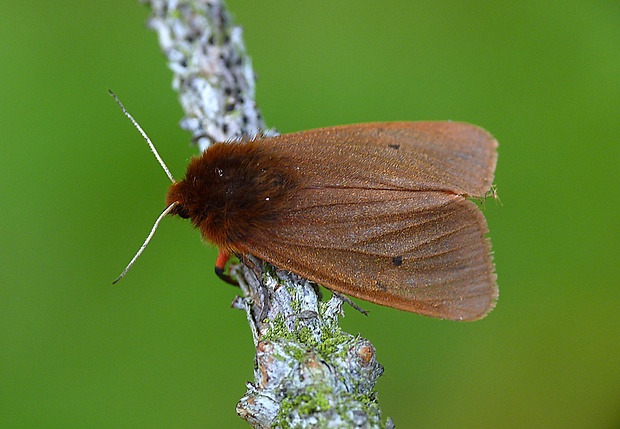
(211,70)
(308,373)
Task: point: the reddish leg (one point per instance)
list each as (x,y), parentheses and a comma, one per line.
(220,265)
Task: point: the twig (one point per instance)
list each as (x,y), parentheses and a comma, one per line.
(308,372)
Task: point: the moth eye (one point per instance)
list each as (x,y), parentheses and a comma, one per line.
(182,212)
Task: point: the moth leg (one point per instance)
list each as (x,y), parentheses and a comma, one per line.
(252,262)
(351,303)
(220,266)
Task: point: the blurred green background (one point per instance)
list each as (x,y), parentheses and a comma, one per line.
(163,349)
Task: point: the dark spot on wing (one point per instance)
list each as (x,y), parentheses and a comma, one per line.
(397,261)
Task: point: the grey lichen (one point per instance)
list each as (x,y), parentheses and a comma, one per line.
(211,70)
(308,372)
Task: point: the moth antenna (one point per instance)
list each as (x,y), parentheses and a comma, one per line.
(139,128)
(146,242)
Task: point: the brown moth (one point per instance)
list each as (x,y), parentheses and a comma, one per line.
(378,211)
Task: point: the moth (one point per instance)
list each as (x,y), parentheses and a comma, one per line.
(378,211)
